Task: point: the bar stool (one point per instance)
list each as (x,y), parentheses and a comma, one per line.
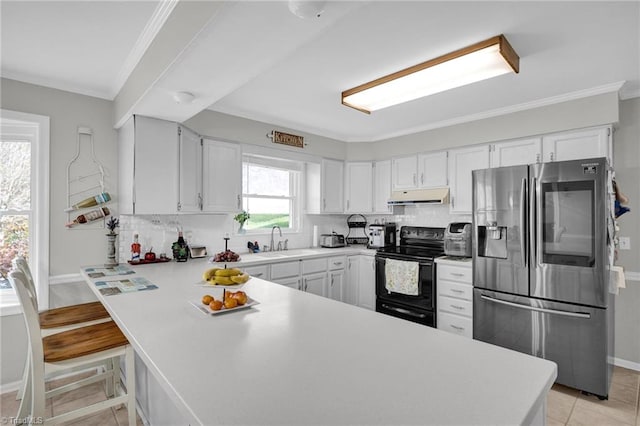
(60,319)
(75,348)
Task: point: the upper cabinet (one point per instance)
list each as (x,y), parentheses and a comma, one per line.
(359,187)
(166,168)
(148,153)
(432,170)
(575,145)
(190,171)
(427,170)
(461,163)
(325,187)
(382,186)
(221,176)
(518,152)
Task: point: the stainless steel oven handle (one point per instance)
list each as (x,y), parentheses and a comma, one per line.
(403,311)
(532,308)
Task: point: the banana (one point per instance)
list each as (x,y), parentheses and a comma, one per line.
(209,273)
(227,272)
(240,279)
(221,281)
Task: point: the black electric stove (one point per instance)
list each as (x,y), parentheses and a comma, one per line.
(420,245)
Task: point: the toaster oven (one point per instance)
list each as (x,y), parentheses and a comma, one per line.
(457,239)
(332,240)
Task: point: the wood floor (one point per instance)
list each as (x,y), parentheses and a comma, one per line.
(565,406)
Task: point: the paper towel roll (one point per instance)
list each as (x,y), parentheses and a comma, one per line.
(314,242)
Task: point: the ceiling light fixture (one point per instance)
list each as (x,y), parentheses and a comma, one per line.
(306,9)
(480,61)
(183,97)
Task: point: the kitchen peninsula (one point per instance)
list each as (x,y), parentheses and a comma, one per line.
(297,358)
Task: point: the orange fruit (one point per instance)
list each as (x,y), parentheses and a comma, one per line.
(215,305)
(206,299)
(230,303)
(241,297)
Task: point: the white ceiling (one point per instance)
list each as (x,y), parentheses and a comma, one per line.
(257,60)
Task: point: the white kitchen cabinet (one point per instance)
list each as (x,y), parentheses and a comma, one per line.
(461,163)
(315,283)
(325,187)
(575,145)
(404,173)
(432,170)
(148,155)
(518,152)
(382,186)
(425,170)
(260,271)
(337,278)
(360,283)
(353,277)
(359,187)
(190,171)
(221,176)
(367,282)
(455,296)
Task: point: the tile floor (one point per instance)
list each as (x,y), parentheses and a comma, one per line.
(565,406)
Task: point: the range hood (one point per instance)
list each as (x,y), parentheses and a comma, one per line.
(420,196)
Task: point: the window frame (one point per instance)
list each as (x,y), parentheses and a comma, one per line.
(295,185)
(36,128)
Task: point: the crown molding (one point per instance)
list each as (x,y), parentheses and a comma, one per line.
(607,88)
(157,20)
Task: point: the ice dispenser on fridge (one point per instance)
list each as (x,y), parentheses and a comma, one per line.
(492,240)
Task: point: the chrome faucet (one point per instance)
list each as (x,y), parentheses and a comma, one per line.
(272,246)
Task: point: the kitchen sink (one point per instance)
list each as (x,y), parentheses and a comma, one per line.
(271,254)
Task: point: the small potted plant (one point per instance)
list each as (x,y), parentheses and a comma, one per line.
(112,224)
(241,218)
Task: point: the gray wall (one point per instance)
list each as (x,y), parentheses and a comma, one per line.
(69,248)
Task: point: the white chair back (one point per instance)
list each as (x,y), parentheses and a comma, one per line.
(21,264)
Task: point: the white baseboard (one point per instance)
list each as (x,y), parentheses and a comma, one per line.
(626,364)
(65,279)
(10,387)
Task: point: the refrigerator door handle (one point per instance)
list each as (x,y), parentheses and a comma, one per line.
(533,239)
(523,219)
(584,315)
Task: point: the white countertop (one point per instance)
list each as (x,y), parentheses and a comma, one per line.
(297,358)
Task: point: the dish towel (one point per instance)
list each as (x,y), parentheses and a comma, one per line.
(617,280)
(401,277)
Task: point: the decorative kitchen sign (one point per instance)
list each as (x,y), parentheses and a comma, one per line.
(286,139)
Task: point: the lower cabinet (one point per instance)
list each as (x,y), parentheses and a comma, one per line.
(361,284)
(455,296)
(315,283)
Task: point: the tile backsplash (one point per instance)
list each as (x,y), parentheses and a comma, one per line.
(158,232)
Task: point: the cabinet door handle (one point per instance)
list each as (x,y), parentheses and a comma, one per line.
(337,263)
(414,178)
(457,328)
(348,203)
(457,291)
(421,178)
(551,156)
(259,274)
(239,201)
(457,274)
(331,280)
(460,308)
(200,203)
(324,203)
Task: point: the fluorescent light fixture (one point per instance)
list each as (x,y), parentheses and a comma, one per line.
(480,61)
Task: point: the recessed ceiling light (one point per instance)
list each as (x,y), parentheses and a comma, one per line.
(306,9)
(184,97)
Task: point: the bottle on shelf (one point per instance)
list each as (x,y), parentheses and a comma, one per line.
(180,249)
(90,202)
(89,216)
(135,250)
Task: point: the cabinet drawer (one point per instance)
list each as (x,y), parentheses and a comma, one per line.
(312,266)
(337,262)
(455,306)
(455,273)
(455,324)
(454,289)
(285,269)
(261,271)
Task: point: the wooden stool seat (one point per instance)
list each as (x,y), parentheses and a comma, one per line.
(82,341)
(70,315)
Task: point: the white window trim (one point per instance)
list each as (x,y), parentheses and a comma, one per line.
(39,258)
(296,183)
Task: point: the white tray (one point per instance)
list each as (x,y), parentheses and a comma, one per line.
(205,309)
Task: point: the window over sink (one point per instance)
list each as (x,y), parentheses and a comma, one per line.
(271,193)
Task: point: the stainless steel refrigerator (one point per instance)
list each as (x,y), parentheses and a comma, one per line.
(541,266)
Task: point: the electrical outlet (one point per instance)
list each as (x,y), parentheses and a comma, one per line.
(624,243)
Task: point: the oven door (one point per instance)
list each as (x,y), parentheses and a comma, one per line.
(425,299)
